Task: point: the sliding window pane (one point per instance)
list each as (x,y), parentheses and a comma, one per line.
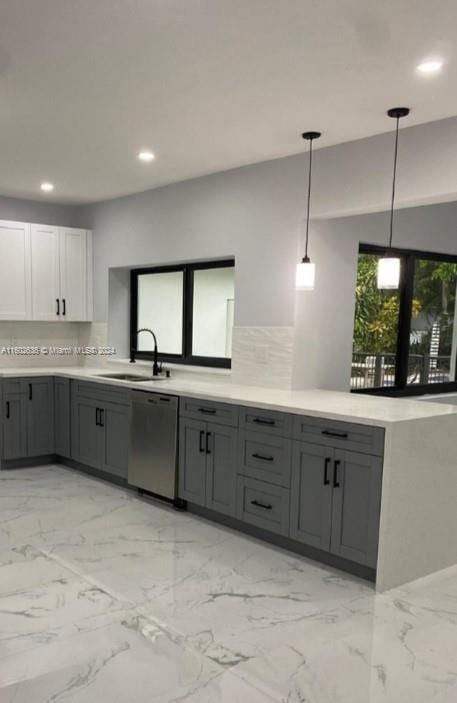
(160,308)
(213,304)
(432,344)
(375,329)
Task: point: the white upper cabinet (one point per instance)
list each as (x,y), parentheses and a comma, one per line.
(15,275)
(45,273)
(73,274)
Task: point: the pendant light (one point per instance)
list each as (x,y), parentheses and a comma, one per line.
(306,270)
(388,265)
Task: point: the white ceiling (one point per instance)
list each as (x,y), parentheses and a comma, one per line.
(206,84)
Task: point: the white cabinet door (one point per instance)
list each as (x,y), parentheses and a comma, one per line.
(46,303)
(15,276)
(73,274)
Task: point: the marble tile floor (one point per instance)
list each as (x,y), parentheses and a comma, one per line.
(108,597)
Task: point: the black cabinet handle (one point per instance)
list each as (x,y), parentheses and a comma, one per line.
(64,305)
(333,433)
(208,435)
(262,457)
(7,409)
(30,392)
(326,478)
(102,417)
(265,506)
(207,411)
(58,306)
(264,421)
(202,434)
(97,422)
(336,483)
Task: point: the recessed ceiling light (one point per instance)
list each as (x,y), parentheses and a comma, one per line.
(47,187)
(429,67)
(146,155)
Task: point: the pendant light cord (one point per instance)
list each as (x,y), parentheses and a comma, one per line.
(310,170)
(394,181)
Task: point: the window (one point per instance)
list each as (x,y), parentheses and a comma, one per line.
(405,340)
(189,308)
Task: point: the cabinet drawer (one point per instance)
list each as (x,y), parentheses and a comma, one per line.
(14,386)
(221,413)
(263,457)
(341,435)
(101,392)
(267,421)
(263,505)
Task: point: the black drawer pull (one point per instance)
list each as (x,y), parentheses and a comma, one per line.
(262,457)
(208,435)
(7,409)
(207,411)
(326,478)
(64,304)
(58,306)
(102,417)
(30,392)
(265,506)
(165,399)
(264,421)
(336,483)
(201,447)
(332,433)
(97,421)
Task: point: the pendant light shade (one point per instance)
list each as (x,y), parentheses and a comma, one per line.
(306,270)
(389,265)
(388,273)
(306,273)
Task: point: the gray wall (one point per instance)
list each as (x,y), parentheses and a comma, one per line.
(38,212)
(253,213)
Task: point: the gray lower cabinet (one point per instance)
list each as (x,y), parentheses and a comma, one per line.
(116,425)
(62,416)
(100,434)
(221,445)
(336,500)
(28,426)
(15,426)
(192,461)
(86,432)
(40,416)
(356,507)
(311,491)
(207,456)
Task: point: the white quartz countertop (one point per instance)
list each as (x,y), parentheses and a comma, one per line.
(349,407)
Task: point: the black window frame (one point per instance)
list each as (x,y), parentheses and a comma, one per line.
(186,357)
(406,290)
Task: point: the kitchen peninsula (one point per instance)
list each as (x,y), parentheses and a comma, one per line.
(369,480)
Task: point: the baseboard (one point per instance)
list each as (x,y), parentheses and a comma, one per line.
(291,545)
(96,473)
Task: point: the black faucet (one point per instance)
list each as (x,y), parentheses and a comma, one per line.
(155,365)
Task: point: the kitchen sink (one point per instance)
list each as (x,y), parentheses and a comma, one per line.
(134,378)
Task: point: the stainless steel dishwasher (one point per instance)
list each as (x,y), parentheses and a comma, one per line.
(153,443)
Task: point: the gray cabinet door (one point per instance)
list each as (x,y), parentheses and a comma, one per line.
(192,461)
(311,495)
(62,415)
(220,447)
(115,420)
(357,482)
(87,435)
(40,416)
(14,426)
